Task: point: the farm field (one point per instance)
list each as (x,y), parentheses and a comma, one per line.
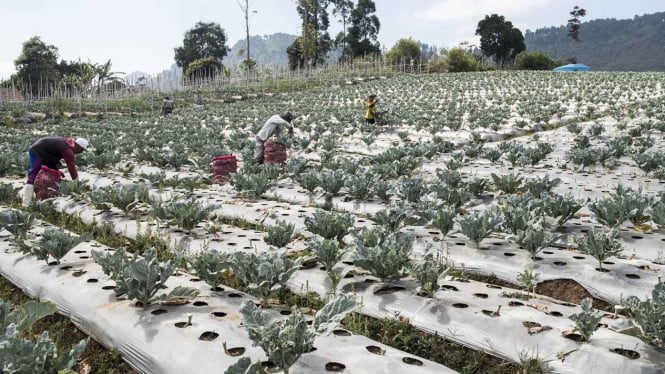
(516,214)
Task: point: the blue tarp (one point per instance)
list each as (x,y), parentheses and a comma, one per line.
(573,67)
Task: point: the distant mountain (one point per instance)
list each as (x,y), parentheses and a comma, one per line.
(636,44)
(267,49)
(166,80)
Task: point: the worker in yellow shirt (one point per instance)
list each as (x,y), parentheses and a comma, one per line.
(370,109)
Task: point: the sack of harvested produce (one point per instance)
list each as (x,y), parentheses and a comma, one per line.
(222,166)
(274,153)
(47,183)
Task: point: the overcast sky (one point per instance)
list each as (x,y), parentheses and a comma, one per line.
(141,34)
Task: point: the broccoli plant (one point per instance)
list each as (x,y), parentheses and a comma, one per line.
(444,220)
(142,278)
(392,217)
(534,239)
(309,181)
(332,181)
(330,225)
(266,274)
(492,154)
(8,194)
(529,280)
(428,271)
(600,244)
(75,188)
(328,253)
(609,213)
(596,129)
(253,184)
(20,354)
(648,162)
(624,204)
(411,189)
(477,186)
(480,225)
(382,188)
(295,166)
(649,313)
(587,322)
(185,214)
(510,183)
(16,222)
(562,208)
(57,243)
(211,267)
(280,234)
(113,263)
(386,259)
(517,217)
(285,341)
(360,184)
(582,157)
(449,178)
(539,185)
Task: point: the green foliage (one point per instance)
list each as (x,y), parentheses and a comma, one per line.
(113,263)
(76,188)
(362,36)
(528,279)
(624,204)
(332,181)
(587,322)
(460,60)
(141,278)
(561,207)
(582,157)
(535,60)
(480,225)
(444,219)
(204,40)
(492,154)
(330,225)
(534,239)
(280,234)
(428,271)
(328,253)
(37,63)
(404,52)
(387,258)
(477,186)
(8,194)
(539,185)
(509,183)
(600,244)
(411,189)
(649,313)
(265,274)
(20,355)
(254,184)
(391,217)
(57,243)
(649,161)
(210,266)
(574,128)
(499,39)
(308,181)
(16,222)
(518,216)
(185,214)
(285,341)
(125,198)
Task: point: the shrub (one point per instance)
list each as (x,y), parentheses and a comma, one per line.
(280,234)
(535,60)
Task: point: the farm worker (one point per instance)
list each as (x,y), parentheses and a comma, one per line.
(49,151)
(370,109)
(274,126)
(167,106)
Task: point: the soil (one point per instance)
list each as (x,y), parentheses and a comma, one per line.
(570,291)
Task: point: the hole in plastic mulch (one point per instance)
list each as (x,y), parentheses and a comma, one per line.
(78,273)
(637,237)
(335,366)
(493,286)
(388,289)
(92,280)
(53,263)
(84,257)
(626,353)
(633,276)
(515,303)
(531,324)
(217,289)
(376,350)
(579,257)
(602,270)
(218,314)
(608,262)
(574,337)
(548,252)
(181,325)
(449,287)
(109,288)
(200,303)
(556,314)
(208,336)
(157,312)
(64,268)
(285,312)
(234,295)
(195,280)
(79,251)
(560,263)
(236,351)
(481,295)
(460,305)
(412,361)
(340,332)
(508,254)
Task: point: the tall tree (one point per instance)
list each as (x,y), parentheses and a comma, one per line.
(575,22)
(203,41)
(107,77)
(364,30)
(36,66)
(499,39)
(342,9)
(315,42)
(404,51)
(249,63)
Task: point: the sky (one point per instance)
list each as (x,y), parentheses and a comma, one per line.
(140,35)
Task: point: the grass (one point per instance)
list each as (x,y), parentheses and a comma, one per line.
(95,359)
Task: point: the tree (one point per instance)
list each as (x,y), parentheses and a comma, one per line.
(575,22)
(312,47)
(535,60)
(404,51)
(364,30)
(106,77)
(203,41)
(342,9)
(460,60)
(249,63)
(36,66)
(499,39)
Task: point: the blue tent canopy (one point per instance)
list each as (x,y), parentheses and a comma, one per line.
(573,67)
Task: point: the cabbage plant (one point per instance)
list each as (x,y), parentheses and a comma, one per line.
(280,234)
(534,239)
(480,225)
(600,244)
(387,258)
(57,243)
(284,341)
(587,321)
(211,267)
(330,225)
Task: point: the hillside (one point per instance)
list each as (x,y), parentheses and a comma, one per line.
(608,44)
(268,49)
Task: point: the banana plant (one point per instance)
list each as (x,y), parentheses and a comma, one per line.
(285,341)
(57,243)
(280,234)
(600,244)
(480,225)
(587,321)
